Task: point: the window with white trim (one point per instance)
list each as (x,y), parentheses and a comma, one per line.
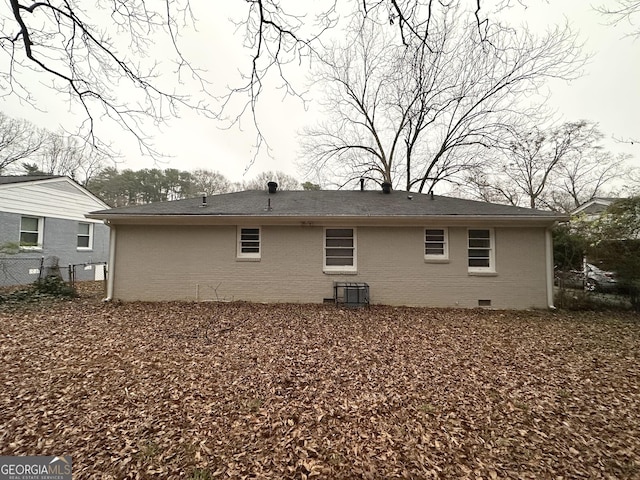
(31,232)
(85,236)
(249,242)
(481,250)
(339,249)
(436,244)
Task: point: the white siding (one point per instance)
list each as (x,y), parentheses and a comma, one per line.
(55,198)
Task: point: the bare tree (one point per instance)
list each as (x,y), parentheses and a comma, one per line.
(102,55)
(558,168)
(359,82)
(97,56)
(585,176)
(620,12)
(534,155)
(19,140)
(123,60)
(284,181)
(62,154)
(209,182)
(277,35)
(478,184)
(418,114)
(25,147)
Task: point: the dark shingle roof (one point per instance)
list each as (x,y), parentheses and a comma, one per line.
(5,179)
(325,203)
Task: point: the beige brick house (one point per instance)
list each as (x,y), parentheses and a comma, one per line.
(295,246)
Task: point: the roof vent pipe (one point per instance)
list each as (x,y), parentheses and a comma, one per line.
(362,184)
(272,186)
(204,199)
(386,187)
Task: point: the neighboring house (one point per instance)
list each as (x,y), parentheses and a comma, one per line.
(292,246)
(594,207)
(45,217)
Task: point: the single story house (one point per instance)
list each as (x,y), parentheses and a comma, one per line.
(43,225)
(295,246)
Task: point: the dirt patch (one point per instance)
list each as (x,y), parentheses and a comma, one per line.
(188,390)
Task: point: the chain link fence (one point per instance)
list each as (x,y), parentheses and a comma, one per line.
(87,271)
(16,270)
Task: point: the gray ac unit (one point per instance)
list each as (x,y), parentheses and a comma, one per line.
(353,294)
(356,295)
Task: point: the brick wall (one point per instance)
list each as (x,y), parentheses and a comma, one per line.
(199,263)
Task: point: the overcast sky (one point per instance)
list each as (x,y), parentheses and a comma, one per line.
(607,93)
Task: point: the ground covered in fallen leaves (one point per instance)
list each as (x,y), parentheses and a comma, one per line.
(236,390)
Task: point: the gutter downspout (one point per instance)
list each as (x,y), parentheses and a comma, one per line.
(549,261)
(112,262)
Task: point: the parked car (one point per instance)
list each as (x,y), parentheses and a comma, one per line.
(597,280)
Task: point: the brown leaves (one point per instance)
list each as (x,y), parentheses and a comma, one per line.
(200,390)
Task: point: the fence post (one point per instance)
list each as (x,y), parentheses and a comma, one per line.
(105,279)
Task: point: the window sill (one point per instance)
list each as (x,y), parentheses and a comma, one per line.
(483,274)
(248,259)
(340,272)
(30,249)
(84,249)
(436,260)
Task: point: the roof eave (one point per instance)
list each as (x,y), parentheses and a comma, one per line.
(324,220)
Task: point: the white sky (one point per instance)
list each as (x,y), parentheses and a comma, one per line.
(608,93)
